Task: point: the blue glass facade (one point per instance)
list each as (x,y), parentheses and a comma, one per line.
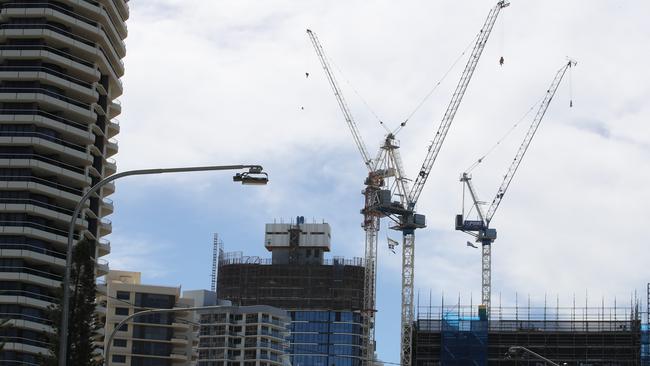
(325,338)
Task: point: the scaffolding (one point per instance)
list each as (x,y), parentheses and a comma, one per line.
(453,334)
(334,284)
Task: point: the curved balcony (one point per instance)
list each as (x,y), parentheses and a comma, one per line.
(111,147)
(101,266)
(105,227)
(46,137)
(48,70)
(110,167)
(49,161)
(107,206)
(103,246)
(42,181)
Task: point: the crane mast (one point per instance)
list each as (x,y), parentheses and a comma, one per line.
(371,218)
(481,228)
(409,221)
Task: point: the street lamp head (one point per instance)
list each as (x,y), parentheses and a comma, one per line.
(254,176)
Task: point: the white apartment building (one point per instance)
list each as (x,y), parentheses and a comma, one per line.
(151,340)
(240,335)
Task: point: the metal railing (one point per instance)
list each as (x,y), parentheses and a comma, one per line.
(48,70)
(45,182)
(48,49)
(44,136)
(44,159)
(38,112)
(30,248)
(48,93)
(30,201)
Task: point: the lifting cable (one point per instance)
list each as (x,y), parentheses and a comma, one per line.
(356,92)
(570,87)
(444,76)
(480,160)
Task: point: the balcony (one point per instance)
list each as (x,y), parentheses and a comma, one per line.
(110,167)
(103,246)
(102,267)
(112,128)
(111,147)
(107,206)
(105,227)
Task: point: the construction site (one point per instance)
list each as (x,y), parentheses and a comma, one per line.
(444,334)
(455,334)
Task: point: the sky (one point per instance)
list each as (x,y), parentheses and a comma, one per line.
(223,82)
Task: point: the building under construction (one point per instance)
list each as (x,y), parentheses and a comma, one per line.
(324,297)
(455,334)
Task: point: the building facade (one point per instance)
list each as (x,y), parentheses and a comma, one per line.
(60,70)
(154,339)
(578,336)
(240,335)
(324,297)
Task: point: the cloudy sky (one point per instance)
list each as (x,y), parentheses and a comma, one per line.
(223,82)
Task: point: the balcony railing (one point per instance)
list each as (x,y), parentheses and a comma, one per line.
(49,49)
(44,159)
(32,271)
(38,112)
(43,136)
(48,70)
(29,201)
(38,226)
(46,92)
(45,182)
(30,248)
(48,6)
(52,28)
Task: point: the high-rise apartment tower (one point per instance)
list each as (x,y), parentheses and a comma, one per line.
(60,69)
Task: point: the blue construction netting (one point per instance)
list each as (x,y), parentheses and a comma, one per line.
(464,341)
(645,344)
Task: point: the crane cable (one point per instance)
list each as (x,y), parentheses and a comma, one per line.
(480,160)
(444,76)
(356,92)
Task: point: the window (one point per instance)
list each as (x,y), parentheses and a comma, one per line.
(121,311)
(124,328)
(123,295)
(119,342)
(119,358)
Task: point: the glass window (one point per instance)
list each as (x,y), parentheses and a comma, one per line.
(121,311)
(119,358)
(123,295)
(119,342)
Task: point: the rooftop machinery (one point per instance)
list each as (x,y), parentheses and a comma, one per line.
(480,228)
(386,179)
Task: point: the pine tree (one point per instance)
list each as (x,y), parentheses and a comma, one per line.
(83,321)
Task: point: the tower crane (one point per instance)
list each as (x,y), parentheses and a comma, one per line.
(480,228)
(386,179)
(374,182)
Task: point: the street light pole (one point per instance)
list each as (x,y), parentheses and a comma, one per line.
(109,341)
(245,178)
(513,351)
